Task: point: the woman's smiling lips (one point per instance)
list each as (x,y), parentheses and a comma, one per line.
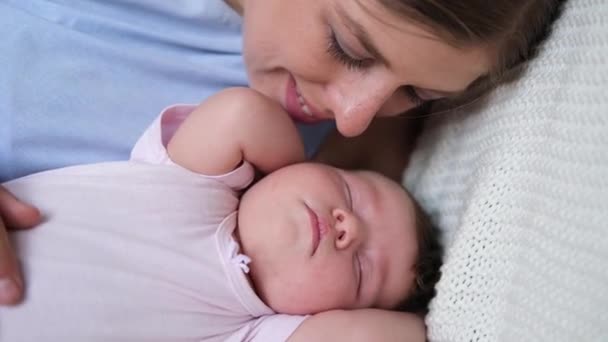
(297,106)
(316,230)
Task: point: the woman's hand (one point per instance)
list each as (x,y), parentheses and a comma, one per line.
(14,214)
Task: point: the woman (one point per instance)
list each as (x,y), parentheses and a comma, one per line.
(81,81)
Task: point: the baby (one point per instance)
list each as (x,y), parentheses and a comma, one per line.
(156,249)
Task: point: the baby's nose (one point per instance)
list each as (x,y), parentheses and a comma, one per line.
(348,229)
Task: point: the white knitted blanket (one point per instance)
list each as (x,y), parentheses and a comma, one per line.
(519,186)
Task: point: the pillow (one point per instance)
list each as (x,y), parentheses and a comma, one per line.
(518,185)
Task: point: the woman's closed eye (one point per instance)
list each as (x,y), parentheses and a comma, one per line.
(336,50)
(413,95)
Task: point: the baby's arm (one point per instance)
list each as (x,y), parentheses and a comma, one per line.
(233,125)
(361,325)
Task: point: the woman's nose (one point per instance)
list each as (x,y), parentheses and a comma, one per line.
(348,229)
(355,102)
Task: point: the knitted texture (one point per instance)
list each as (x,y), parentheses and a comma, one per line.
(518,185)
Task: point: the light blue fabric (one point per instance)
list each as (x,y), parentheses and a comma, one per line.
(81,79)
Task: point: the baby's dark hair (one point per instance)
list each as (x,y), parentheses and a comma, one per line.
(427,265)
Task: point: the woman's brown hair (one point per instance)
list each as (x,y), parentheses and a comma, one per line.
(511,29)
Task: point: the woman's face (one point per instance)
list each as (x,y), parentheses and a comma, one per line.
(349,60)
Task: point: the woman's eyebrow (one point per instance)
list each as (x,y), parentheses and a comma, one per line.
(361,34)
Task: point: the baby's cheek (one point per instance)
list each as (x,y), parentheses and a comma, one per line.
(312,292)
(295,298)
(330,289)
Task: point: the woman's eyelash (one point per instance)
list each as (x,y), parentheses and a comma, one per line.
(336,51)
(413,96)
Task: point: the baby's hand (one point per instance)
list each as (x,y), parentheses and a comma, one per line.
(233,125)
(18,215)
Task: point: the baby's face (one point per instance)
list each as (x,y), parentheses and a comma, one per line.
(321,238)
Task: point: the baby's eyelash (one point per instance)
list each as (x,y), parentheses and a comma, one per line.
(360,276)
(335,50)
(350,197)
